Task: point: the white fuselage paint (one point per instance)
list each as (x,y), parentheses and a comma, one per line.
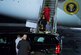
(29,9)
(67,20)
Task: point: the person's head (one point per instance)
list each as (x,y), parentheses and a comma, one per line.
(47,22)
(46,5)
(24,37)
(19,36)
(43,17)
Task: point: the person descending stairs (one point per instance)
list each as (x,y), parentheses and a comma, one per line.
(46,21)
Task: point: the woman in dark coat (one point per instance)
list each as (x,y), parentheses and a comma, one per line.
(42,24)
(23,46)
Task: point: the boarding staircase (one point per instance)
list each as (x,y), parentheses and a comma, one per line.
(52,4)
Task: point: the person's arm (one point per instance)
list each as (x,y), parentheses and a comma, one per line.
(18,46)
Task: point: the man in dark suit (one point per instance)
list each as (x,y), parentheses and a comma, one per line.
(23,46)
